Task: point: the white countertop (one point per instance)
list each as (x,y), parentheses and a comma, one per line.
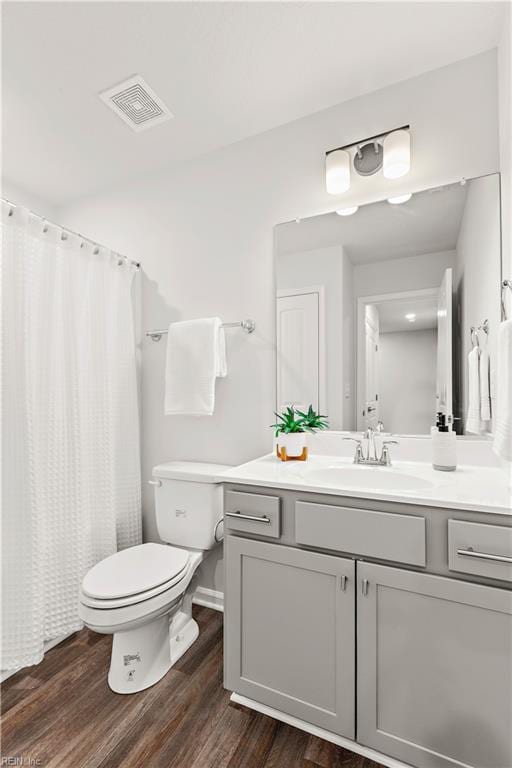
(476,488)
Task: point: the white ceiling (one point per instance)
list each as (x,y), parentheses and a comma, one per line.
(392,314)
(427,223)
(226,70)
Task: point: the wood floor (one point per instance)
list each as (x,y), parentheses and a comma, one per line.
(62,713)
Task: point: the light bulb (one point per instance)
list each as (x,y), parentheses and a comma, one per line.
(337,172)
(347,211)
(411,317)
(397,154)
(399,199)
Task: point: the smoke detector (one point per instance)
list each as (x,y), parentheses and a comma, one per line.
(136,104)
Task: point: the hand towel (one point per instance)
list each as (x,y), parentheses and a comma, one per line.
(473,414)
(196,356)
(485,393)
(503,422)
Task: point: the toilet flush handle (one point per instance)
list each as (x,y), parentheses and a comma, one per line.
(158,483)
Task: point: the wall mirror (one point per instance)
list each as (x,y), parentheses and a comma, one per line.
(378,308)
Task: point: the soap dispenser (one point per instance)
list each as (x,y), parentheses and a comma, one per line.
(444,445)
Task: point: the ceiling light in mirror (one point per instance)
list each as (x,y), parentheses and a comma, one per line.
(410,316)
(337,171)
(397,154)
(347,211)
(399,199)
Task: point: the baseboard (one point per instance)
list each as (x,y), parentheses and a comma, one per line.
(210,598)
(314,730)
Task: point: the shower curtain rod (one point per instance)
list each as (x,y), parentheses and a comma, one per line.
(66,231)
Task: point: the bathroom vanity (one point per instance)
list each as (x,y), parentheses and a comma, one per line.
(372,605)
(378,618)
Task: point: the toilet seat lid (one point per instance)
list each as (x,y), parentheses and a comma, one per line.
(134,570)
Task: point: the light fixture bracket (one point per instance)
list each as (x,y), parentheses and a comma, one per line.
(368,158)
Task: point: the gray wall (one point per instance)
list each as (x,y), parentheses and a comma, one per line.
(407,380)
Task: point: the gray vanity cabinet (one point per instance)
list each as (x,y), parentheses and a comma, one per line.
(434,675)
(290,631)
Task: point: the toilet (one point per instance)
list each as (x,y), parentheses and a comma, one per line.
(143,595)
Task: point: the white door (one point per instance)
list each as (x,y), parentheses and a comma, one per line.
(298,344)
(444,345)
(371,329)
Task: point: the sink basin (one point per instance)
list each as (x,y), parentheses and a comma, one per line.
(371,478)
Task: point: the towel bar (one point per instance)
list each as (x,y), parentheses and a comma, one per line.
(249,326)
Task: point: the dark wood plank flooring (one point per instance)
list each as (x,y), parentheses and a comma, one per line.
(62,713)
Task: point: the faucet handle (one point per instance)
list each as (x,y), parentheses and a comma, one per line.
(385,455)
(358,456)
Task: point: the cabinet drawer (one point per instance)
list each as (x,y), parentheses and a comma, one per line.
(480,549)
(252,513)
(362,532)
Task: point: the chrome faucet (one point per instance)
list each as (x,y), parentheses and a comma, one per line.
(370,456)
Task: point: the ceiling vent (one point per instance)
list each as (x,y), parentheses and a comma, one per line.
(136,104)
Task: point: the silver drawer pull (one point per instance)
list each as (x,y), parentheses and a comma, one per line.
(253,518)
(484,556)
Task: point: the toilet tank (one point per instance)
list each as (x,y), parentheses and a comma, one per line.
(188,502)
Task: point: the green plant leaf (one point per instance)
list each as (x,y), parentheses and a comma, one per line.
(312,421)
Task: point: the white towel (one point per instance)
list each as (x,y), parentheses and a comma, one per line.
(196,356)
(473,415)
(503,422)
(485,393)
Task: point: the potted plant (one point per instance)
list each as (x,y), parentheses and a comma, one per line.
(291,431)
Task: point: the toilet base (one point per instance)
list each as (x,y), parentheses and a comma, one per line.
(140,656)
(182,634)
(143,655)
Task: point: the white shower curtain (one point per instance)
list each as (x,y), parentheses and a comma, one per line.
(70,432)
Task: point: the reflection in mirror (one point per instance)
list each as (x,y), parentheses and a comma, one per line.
(375,310)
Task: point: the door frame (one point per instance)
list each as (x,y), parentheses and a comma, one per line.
(362,301)
(322,387)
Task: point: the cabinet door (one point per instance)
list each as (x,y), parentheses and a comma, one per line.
(290,631)
(434,669)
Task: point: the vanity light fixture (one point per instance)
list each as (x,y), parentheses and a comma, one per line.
(337,171)
(397,154)
(411,317)
(390,151)
(347,211)
(399,199)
